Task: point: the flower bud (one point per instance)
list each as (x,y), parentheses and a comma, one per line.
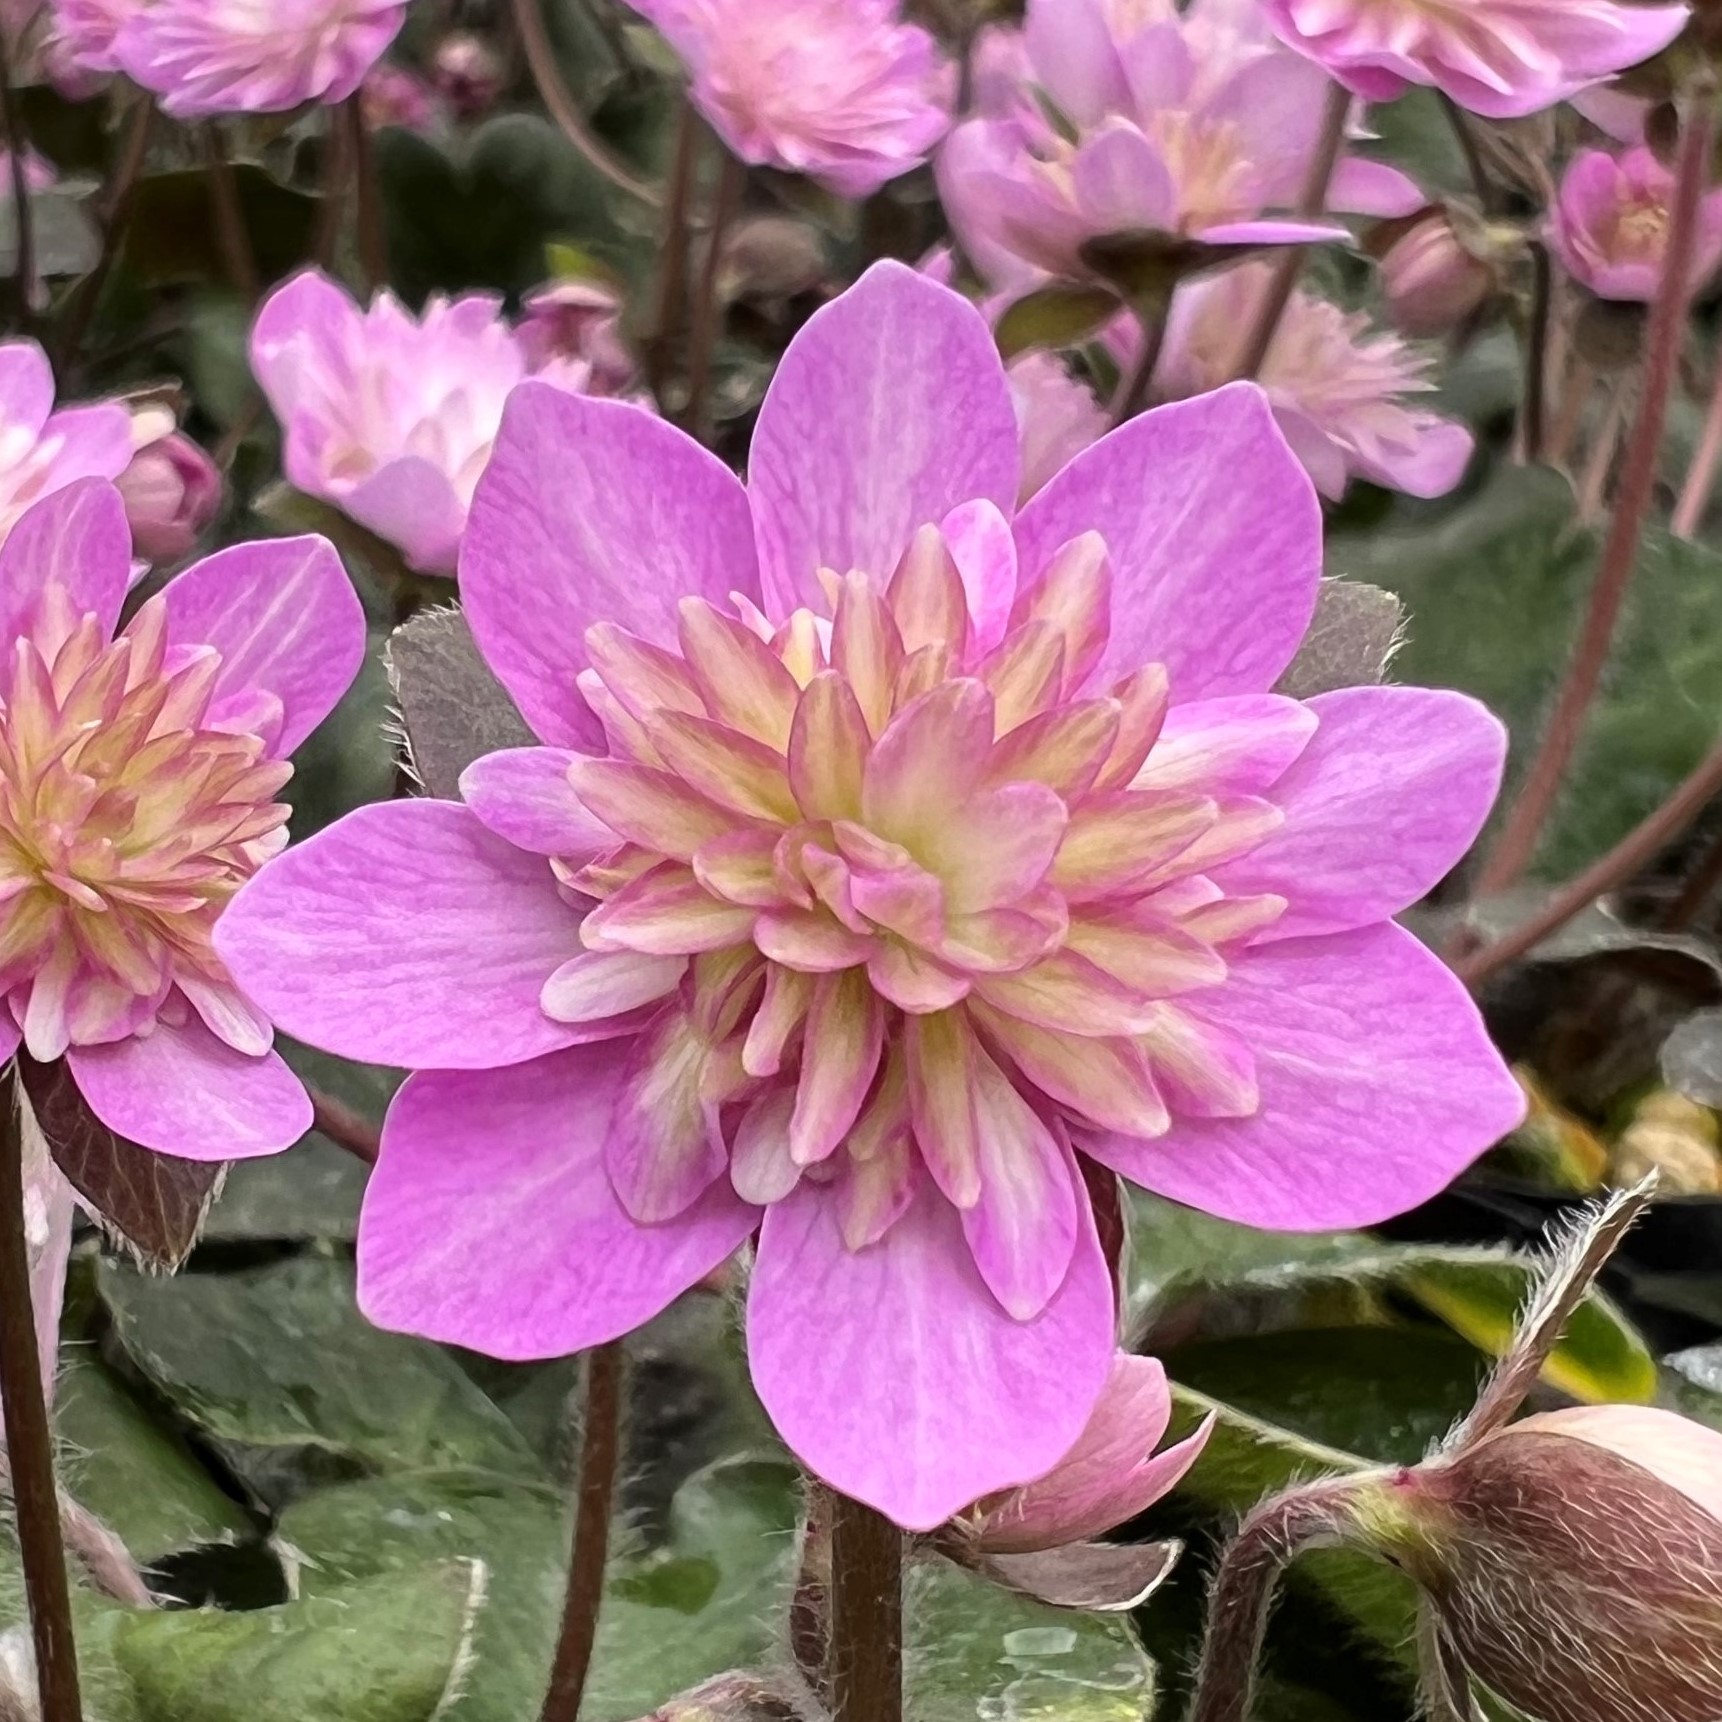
(468,74)
(172,490)
(577,321)
(1574,1561)
(1433,283)
(393,96)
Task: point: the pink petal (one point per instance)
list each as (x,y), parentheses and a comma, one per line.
(592,511)
(286,620)
(845,1035)
(26,385)
(182,1092)
(1383,803)
(1362,187)
(1214,578)
(1238,746)
(998,848)
(600,984)
(663,1148)
(1379,1085)
(979,538)
(889,410)
(405,934)
(526,795)
(411,503)
(894,1374)
(76,538)
(522,1251)
(926,761)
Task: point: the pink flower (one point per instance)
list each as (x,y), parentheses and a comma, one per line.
(1057,413)
(1502,58)
(888,852)
(469,75)
(1108,1477)
(80,47)
(141,769)
(42,450)
(206,57)
(394,96)
(172,490)
(1096,120)
(1340,388)
(389,416)
(840,90)
(1610,225)
(579,322)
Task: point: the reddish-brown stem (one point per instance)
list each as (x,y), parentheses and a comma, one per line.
(230,231)
(344,1126)
(337,184)
(1534,412)
(866,1614)
(1517,843)
(1289,266)
(1701,480)
(1634,851)
(600,1453)
(1151,312)
(708,309)
(117,214)
(29,1439)
(373,236)
(660,344)
(559,101)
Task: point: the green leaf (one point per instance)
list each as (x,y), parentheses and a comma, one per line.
(134,1474)
(1058,316)
(389,1650)
(277,1366)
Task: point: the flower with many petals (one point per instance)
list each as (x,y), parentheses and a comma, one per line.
(205,57)
(1340,388)
(42,450)
(1096,120)
(889,853)
(389,416)
(1502,58)
(840,90)
(139,773)
(1610,225)
(79,52)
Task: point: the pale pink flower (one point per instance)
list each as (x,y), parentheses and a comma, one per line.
(889,853)
(1501,58)
(205,57)
(172,489)
(578,322)
(42,450)
(139,770)
(1432,283)
(1095,120)
(79,51)
(1058,414)
(1610,225)
(1343,391)
(388,415)
(840,90)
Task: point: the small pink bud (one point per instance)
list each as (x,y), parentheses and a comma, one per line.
(1432,281)
(578,321)
(172,491)
(468,74)
(1574,1561)
(393,96)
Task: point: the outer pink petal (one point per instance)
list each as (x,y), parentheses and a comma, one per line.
(1379,1085)
(489,1221)
(10,1035)
(94,441)
(889,410)
(1384,802)
(181,1091)
(406,934)
(1238,746)
(26,385)
(1272,231)
(77,537)
(1431,465)
(1213,573)
(412,504)
(894,1374)
(525,795)
(286,620)
(1362,187)
(302,330)
(592,511)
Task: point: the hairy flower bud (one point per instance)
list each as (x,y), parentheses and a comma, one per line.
(1574,1561)
(1432,281)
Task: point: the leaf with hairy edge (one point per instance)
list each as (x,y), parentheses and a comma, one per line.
(1355,632)
(153,1203)
(453,709)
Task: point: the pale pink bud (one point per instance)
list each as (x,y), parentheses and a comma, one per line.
(579,321)
(393,96)
(1433,283)
(1575,1562)
(468,74)
(172,490)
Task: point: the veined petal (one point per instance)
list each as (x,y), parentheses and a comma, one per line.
(724,765)
(1064,748)
(527,795)
(600,984)
(866,647)
(943,1055)
(781,1013)
(980,542)
(666,913)
(1066,991)
(927,597)
(1238,746)
(1203,1069)
(1119,839)
(652,808)
(761,1167)
(839,1056)
(742,681)
(663,1149)
(1147,951)
(828,747)
(1074,597)
(1108,1082)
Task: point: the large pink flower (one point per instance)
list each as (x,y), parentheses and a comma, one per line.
(80,46)
(42,450)
(253,56)
(1502,58)
(886,857)
(139,771)
(841,90)
(1610,225)
(1344,392)
(1099,119)
(389,416)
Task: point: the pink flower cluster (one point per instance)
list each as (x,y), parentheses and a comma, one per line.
(895,863)
(1610,226)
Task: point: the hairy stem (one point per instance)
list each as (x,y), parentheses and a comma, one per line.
(345,1126)
(660,344)
(599,1456)
(866,1614)
(230,230)
(810,1605)
(1633,852)
(708,311)
(29,1440)
(1289,265)
(559,101)
(1701,480)
(1542,783)
(1244,1587)
(373,235)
